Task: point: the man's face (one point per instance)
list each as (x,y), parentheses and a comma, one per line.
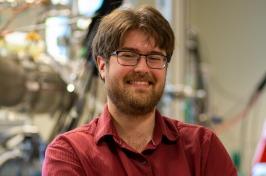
(133,90)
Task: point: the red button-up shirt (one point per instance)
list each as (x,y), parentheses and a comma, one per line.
(96,149)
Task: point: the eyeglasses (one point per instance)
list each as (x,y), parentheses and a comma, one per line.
(130,58)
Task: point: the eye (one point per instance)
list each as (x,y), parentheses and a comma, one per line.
(127,55)
(155,58)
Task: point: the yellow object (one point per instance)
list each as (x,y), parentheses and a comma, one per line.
(33,36)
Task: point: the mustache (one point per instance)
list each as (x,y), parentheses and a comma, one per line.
(138,76)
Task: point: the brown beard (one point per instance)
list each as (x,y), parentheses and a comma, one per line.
(133,103)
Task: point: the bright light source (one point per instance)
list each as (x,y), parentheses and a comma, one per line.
(63,2)
(83,23)
(89,7)
(57,34)
(259,169)
(30,1)
(16,38)
(70,87)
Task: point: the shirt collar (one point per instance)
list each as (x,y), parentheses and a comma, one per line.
(105,126)
(164,127)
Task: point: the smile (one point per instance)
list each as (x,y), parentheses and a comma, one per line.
(140,83)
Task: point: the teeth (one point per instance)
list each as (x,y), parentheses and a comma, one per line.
(140,83)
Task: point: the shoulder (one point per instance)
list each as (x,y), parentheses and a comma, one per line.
(203,149)
(198,140)
(67,152)
(78,137)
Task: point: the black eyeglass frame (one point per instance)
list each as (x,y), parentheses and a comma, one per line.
(116,53)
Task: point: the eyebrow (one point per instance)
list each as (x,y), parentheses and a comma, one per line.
(137,51)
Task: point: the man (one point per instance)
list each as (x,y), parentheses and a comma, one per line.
(132,51)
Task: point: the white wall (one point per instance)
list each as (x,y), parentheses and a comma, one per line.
(233,44)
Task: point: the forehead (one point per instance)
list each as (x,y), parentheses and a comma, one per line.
(138,39)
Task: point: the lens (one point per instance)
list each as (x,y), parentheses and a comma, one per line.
(127,58)
(156,61)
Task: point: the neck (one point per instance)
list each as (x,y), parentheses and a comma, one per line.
(136,131)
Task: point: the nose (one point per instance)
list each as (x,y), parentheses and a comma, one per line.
(142,65)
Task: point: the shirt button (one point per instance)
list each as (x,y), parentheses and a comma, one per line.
(144,162)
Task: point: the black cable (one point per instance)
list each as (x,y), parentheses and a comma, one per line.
(201,103)
(262,84)
(107,7)
(259,88)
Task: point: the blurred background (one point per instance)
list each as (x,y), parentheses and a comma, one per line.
(49,82)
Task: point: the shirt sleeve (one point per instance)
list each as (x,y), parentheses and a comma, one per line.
(218,161)
(61,160)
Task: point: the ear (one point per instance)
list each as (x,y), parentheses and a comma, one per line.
(101,64)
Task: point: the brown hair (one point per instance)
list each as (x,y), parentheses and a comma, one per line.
(114,26)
